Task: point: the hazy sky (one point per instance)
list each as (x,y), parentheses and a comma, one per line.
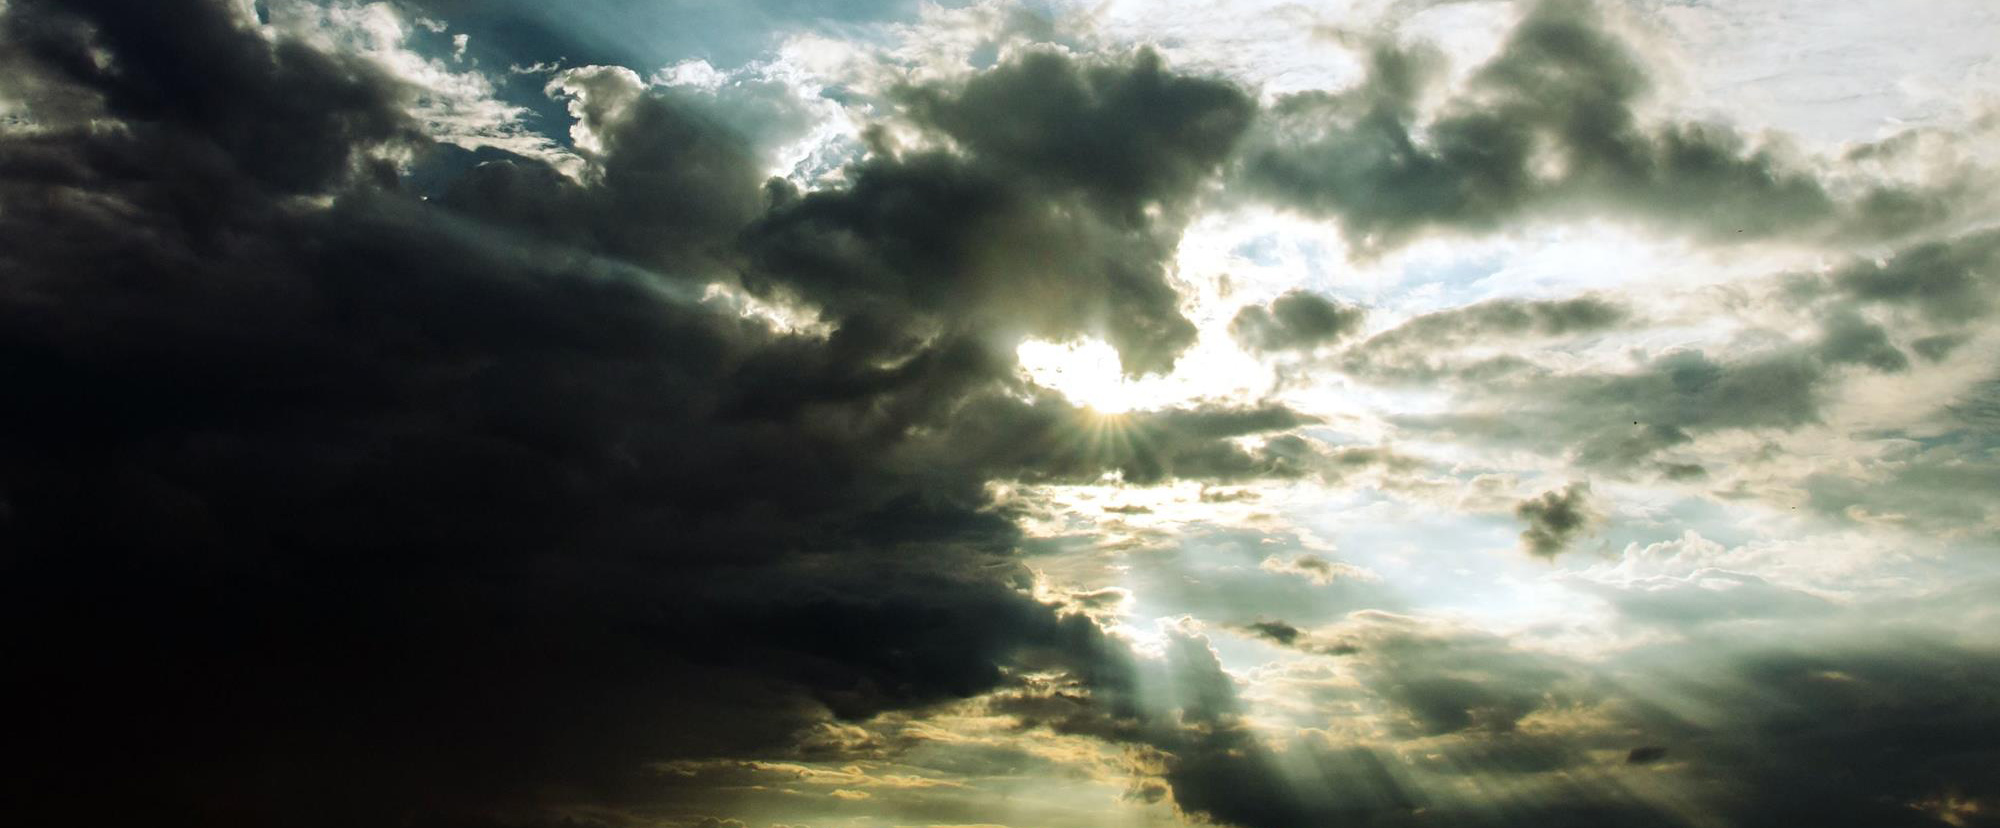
(1048,414)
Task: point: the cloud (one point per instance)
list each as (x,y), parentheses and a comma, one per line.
(1295,321)
(1776,731)
(1645,755)
(1847,736)
(1945,280)
(1620,421)
(1549,127)
(483,482)
(1062,225)
(1555,519)
(364,479)
(668,187)
(1312,568)
(1848,338)
(1131,134)
(1504,318)
(1419,349)
(1277,631)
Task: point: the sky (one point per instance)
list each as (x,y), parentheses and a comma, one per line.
(1038,414)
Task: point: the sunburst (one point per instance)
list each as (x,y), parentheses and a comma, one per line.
(1086,372)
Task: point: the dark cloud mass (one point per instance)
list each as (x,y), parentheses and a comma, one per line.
(354,477)
(1555,519)
(1133,135)
(358,509)
(1060,222)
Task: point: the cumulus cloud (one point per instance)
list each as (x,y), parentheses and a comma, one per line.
(1295,321)
(1555,519)
(1550,126)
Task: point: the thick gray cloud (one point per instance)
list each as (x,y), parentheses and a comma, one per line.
(1871,315)
(669,185)
(1505,318)
(1297,320)
(1416,351)
(1130,134)
(1848,338)
(1059,223)
(1555,519)
(1948,281)
(1548,127)
(933,241)
(1625,421)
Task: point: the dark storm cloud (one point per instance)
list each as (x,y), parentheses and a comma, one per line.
(1555,519)
(359,509)
(1297,320)
(322,504)
(288,117)
(1549,126)
(1134,135)
(1060,223)
(936,243)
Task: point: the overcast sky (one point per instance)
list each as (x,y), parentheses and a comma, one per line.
(1041,414)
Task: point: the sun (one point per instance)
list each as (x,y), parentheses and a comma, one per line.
(1086,372)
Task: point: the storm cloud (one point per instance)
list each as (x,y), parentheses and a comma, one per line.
(428,413)
(484,482)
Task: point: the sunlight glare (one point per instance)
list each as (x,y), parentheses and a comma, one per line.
(1086,372)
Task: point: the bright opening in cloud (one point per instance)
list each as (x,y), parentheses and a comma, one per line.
(1085,372)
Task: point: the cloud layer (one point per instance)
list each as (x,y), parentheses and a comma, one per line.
(672,461)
